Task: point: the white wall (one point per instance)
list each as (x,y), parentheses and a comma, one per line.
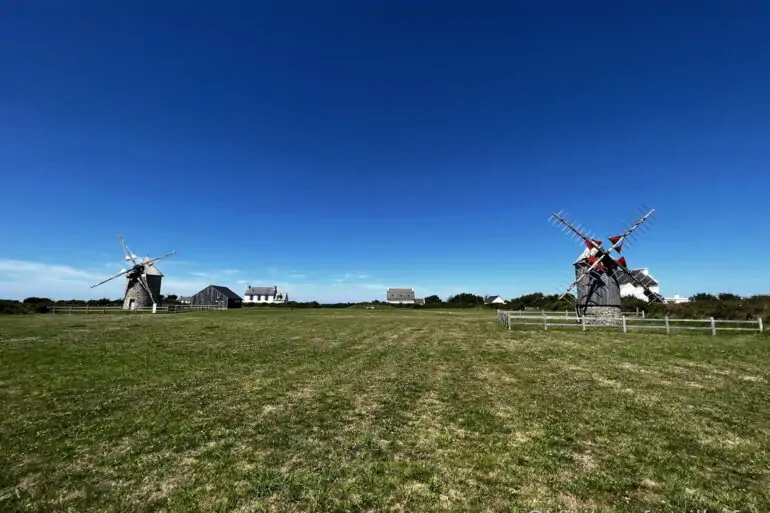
(262,299)
(677,299)
(629,290)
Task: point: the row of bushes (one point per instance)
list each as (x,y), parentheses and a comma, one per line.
(753,307)
(721,306)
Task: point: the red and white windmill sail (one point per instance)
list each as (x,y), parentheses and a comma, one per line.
(601,259)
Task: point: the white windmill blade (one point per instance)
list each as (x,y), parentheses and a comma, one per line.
(121,273)
(152,260)
(129,255)
(146,286)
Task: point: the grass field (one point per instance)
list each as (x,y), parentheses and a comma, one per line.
(385,410)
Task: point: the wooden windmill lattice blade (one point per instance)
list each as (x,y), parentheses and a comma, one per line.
(597,264)
(571,227)
(652,296)
(630,232)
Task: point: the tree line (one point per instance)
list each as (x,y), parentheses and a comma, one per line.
(723,305)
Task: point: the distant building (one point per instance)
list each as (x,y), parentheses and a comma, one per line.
(184,300)
(676,300)
(494,300)
(629,289)
(400,296)
(264,295)
(216,295)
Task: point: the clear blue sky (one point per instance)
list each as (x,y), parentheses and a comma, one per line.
(338,148)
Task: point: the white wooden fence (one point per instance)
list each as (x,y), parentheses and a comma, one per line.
(73,309)
(562,313)
(629,323)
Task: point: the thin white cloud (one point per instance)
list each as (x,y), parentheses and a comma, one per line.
(348,277)
(202,274)
(20,279)
(25,267)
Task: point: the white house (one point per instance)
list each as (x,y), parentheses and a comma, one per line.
(400,296)
(677,299)
(495,300)
(629,289)
(264,295)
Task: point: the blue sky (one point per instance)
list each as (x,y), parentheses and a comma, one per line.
(339,148)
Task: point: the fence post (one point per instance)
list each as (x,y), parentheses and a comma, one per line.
(625,328)
(508,320)
(760,324)
(583,321)
(104,309)
(668,329)
(70,308)
(545,321)
(86,307)
(713,326)
(642,314)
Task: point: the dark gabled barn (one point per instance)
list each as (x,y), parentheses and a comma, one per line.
(216,295)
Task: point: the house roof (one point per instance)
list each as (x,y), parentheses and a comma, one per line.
(152,270)
(262,291)
(585,254)
(642,275)
(227,292)
(492,298)
(400,294)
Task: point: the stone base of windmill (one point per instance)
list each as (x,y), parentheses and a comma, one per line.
(602,316)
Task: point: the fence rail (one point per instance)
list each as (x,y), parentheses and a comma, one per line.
(516,318)
(564,313)
(73,309)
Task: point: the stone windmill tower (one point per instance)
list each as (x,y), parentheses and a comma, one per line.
(597,275)
(143,280)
